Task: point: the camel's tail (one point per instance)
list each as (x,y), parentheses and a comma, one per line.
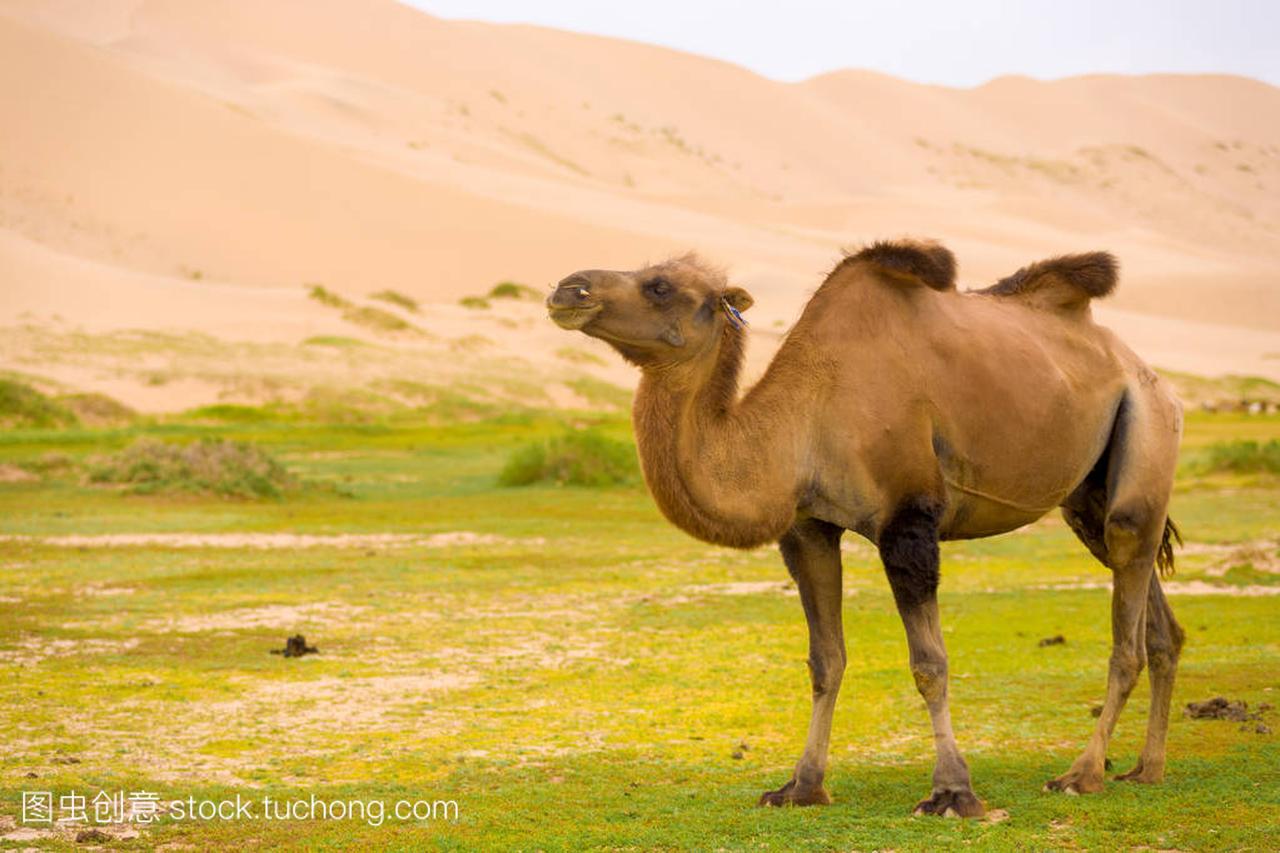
(1164,556)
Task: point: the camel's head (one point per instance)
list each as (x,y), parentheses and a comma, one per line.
(661,314)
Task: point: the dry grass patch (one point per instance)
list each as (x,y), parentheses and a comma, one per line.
(398,299)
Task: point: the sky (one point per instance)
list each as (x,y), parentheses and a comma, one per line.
(962,43)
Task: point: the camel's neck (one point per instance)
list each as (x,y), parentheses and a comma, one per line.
(723,470)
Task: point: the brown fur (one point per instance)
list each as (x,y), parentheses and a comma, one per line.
(876,408)
(917,262)
(1065,281)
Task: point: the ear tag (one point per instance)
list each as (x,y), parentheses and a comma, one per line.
(735,316)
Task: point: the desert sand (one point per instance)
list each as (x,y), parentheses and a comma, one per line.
(193,166)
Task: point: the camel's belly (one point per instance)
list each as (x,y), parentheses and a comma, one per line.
(969,517)
(1004,474)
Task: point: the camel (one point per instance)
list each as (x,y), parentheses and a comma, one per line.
(909,412)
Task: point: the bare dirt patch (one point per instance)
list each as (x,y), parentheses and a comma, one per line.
(286,617)
(99,591)
(32,651)
(1204,588)
(538,650)
(13,474)
(746,588)
(272,541)
(1262,555)
(1177,588)
(269,721)
(732,588)
(339,704)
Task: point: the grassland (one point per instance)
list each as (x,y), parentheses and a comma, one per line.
(568,668)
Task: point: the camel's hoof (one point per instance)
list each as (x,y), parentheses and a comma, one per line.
(952,804)
(791,795)
(1073,783)
(1139,774)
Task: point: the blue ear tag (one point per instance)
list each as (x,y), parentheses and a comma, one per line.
(735,316)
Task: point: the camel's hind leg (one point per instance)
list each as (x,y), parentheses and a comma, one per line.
(1128,536)
(1164,642)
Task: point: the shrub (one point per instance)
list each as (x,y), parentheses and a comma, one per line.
(50,464)
(575,459)
(335,341)
(211,467)
(473,302)
(364,315)
(408,303)
(1242,457)
(23,406)
(512,290)
(376,319)
(324,296)
(230,413)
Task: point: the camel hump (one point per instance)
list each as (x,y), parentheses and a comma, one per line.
(910,262)
(1066,282)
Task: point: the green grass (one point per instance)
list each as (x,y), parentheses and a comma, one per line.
(475,302)
(390,402)
(1241,457)
(24,406)
(231,413)
(600,394)
(574,672)
(574,459)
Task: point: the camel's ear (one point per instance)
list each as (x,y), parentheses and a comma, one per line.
(738,298)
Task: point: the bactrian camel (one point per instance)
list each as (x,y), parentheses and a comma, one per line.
(909,412)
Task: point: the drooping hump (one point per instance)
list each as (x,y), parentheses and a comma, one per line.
(907,262)
(1066,282)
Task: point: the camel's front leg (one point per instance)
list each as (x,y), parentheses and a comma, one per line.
(909,550)
(811,550)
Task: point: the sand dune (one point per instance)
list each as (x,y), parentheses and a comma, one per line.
(184,164)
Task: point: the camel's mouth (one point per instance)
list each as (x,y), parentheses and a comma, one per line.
(573,317)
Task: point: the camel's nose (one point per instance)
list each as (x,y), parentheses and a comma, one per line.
(572,292)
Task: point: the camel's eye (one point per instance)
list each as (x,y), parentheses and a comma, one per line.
(658,288)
